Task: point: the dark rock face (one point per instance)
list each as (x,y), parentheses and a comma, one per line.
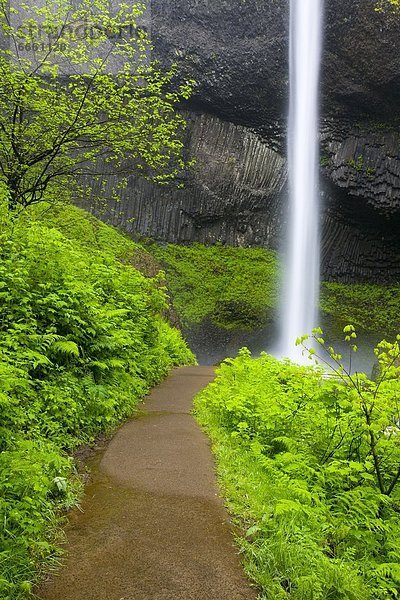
(233,194)
(237,52)
(361,63)
(366,163)
(361,233)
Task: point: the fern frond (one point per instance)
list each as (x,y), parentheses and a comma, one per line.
(65,348)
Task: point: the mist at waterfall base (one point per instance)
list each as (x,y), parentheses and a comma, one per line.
(212,344)
(299,313)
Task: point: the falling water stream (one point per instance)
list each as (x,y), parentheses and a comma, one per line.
(301,287)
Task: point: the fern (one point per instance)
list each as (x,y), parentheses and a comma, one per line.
(295,461)
(82,340)
(65,348)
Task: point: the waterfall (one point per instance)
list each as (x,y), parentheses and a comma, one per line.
(301,284)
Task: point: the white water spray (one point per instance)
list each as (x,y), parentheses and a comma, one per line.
(301,288)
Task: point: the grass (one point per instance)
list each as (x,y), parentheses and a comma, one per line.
(371,308)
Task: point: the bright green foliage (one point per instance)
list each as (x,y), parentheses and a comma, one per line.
(370,307)
(80,226)
(71,99)
(82,341)
(310,468)
(235,288)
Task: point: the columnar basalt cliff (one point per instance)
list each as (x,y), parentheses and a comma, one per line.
(237,50)
(232,194)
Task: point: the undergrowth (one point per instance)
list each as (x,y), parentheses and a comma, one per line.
(310,470)
(82,341)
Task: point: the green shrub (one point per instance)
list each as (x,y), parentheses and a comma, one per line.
(35,484)
(81,342)
(310,468)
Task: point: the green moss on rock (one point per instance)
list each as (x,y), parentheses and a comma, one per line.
(235,288)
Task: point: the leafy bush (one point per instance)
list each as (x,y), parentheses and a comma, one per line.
(82,341)
(235,288)
(310,468)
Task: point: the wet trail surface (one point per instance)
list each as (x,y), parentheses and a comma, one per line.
(153,526)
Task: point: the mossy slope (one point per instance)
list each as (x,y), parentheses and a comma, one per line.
(237,288)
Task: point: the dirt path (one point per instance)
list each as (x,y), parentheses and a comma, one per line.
(153,526)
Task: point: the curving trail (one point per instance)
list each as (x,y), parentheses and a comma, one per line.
(153,526)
